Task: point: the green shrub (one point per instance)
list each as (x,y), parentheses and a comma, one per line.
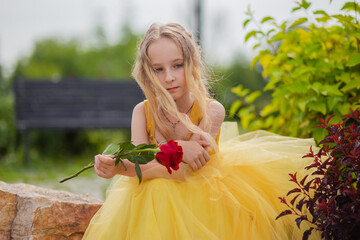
(312,66)
(7,127)
(238,73)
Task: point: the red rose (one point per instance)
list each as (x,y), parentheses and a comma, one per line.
(170,155)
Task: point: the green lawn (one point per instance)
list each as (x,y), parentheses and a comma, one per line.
(49,164)
(46,172)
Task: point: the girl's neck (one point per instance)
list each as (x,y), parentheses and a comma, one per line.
(185,102)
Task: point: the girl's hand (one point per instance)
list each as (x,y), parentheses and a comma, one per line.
(105,166)
(194,153)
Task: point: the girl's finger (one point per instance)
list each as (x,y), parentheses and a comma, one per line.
(203,143)
(194,165)
(198,164)
(98,171)
(106,159)
(206,155)
(104,168)
(202,160)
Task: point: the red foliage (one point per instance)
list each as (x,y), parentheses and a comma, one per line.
(332,197)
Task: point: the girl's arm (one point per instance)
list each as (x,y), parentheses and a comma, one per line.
(216,113)
(105,164)
(193,155)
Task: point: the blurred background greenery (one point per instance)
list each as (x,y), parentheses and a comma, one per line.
(246,92)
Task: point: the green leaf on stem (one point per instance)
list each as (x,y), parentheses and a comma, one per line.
(246,22)
(317,107)
(234,107)
(125,146)
(298,22)
(129,149)
(250,35)
(265,19)
(354,60)
(141,146)
(295,9)
(351,6)
(270,31)
(111,149)
(138,171)
(122,163)
(350,86)
(305,4)
(253,96)
(148,156)
(322,12)
(143,160)
(256,46)
(118,159)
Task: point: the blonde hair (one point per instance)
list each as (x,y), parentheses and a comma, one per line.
(195,75)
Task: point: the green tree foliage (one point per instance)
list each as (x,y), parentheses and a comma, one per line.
(54,58)
(7,128)
(313,69)
(238,73)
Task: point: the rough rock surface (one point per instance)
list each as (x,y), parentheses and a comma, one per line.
(30,212)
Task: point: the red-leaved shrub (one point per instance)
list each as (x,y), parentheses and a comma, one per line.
(330,198)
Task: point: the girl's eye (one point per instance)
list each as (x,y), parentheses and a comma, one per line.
(179,65)
(157,69)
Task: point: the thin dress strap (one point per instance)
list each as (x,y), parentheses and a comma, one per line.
(150,125)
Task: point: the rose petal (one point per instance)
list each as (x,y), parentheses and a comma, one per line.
(170,155)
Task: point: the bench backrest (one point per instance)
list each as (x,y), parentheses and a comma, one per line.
(75,104)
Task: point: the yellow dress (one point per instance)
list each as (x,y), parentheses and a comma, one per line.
(234,196)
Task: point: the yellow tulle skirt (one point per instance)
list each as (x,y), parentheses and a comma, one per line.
(234,196)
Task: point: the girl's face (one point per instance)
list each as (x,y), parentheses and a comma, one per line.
(168,63)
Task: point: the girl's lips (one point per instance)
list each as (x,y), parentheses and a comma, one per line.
(172,89)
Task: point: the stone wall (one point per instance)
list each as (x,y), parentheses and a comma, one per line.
(30,212)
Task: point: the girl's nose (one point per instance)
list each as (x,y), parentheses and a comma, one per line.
(169,76)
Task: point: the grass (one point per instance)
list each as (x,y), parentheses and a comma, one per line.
(46,171)
(52,161)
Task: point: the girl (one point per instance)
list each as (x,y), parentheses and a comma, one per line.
(227,191)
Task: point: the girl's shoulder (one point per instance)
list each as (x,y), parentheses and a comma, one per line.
(216,112)
(141,105)
(214,105)
(139,108)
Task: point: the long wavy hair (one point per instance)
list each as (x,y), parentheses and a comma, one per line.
(196,78)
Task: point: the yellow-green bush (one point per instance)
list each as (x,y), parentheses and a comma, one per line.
(312,66)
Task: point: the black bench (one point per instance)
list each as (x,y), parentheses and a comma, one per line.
(73,104)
